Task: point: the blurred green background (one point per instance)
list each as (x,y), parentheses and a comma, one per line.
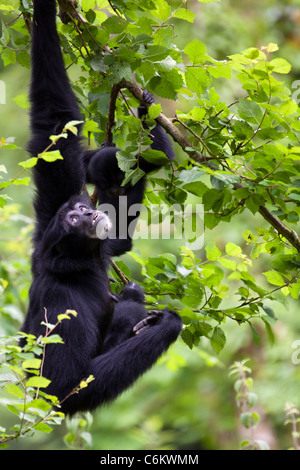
(187,401)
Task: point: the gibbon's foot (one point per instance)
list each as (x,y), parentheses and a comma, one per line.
(147,322)
(148,97)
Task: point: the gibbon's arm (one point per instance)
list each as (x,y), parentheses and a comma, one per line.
(53,104)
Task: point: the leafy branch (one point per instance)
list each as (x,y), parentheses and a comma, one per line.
(185,144)
(37,411)
(47,155)
(246,399)
(292,417)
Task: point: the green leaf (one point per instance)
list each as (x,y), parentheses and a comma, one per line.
(155,156)
(39,404)
(246,420)
(20,181)
(23,58)
(4,40)
(167,83)
(218,339)
(196,52)
(51,156)
(166,64)
(254,419)
(8,56)
(220,71)
(71,126)
(55,138)
(13,409)
(133,176)
(184,14)
(162,9)
(66,316)
(252,53)
(245,443)
(242,129)
(294,290)
(156,53)
(232,249)
(271,47)
(43,427)
(14,390)
(154,111)
(269,311)
(212,252)
(250,111)
(187,337)
(8,143)
(114,25)
(85,382)
(31,364)
(125,161)
(123,267)
(197,80)
(256,336)
(29,163)
(38,382)
(119,70)
(88,4)
(211,221)
(227,263)
(22,101)
(280,66)
(52,339)
(274,278)
(212,275)
(288,108)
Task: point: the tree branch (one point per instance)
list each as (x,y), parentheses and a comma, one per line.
(169,127)
(118,271)
(28,21)
(289,234)
(111,112)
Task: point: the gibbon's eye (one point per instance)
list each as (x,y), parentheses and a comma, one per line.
(73,219)
(83,208)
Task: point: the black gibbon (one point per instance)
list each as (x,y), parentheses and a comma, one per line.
(116,342)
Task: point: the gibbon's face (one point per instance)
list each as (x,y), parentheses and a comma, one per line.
(84,220)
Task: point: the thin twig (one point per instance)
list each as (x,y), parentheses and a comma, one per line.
(111,112)
(121,275)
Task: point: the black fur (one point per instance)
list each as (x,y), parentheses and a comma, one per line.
(115,341)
